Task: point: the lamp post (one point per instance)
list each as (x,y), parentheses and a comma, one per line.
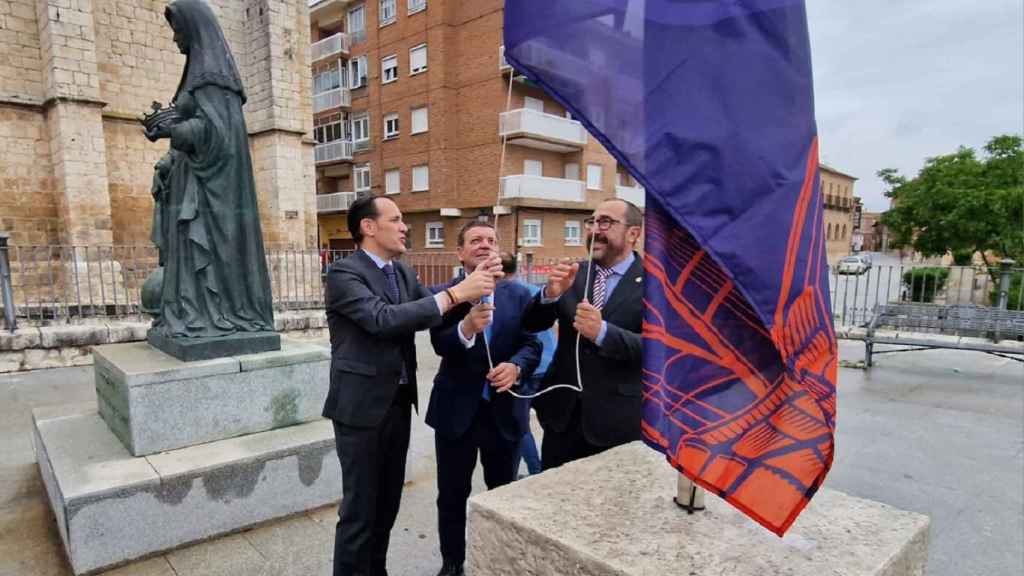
(6,292)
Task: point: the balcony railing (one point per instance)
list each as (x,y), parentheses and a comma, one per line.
(634,194)
(333,151)
(336,98)
(336,202)
(542,188)
(545,131)
(334,45)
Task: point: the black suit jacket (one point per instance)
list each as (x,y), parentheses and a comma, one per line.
(612,398)
(458,385)
(371,336)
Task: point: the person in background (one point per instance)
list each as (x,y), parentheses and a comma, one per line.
(528,445)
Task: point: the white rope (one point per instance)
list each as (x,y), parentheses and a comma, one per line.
(490,362)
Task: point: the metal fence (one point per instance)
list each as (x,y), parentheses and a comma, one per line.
(856,295)
(58,283)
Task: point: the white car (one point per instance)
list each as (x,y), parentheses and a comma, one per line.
(853,265)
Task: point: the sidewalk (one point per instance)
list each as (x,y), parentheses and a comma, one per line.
(939,432)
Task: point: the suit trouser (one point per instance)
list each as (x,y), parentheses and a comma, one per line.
(456,460)
(372,476)
(559,448)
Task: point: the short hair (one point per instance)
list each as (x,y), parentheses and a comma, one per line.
(508,263)
(634,216)
(362,208)
(469,226)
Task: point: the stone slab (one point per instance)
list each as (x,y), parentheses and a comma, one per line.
(613,515)
(154,402)
(113,508)
(193,349)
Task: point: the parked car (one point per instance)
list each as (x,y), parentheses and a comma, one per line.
(853,265)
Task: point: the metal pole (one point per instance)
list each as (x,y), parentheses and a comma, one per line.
(10,320)
(1004,281)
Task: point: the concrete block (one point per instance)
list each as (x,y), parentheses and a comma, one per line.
(127,331)
(20,339)
(112,508)
(73,335)
(154,402)
(11,361)
(613,514)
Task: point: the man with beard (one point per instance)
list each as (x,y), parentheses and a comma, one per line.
(608,315)
(469,409)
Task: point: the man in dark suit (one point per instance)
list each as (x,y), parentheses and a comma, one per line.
(609,410)
(469,410)
(375,305)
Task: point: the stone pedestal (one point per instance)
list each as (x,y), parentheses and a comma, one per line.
(112,508)
(613,515)
(154,402)
(177,452)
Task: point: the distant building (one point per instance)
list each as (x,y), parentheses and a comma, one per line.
(837,195)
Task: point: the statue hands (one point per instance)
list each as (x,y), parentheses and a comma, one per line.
(158,132)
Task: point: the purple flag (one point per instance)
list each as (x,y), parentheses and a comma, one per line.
(710,105)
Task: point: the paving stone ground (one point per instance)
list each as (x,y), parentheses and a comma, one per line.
(938,432)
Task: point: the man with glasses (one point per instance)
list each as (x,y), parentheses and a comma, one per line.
(607,315)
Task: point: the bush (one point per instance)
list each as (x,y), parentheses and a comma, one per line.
(923,283)
(1015,301)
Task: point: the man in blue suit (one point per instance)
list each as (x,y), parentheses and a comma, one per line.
(470,409)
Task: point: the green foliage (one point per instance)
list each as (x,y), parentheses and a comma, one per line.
(923,283)
(962,204)
(1015,301)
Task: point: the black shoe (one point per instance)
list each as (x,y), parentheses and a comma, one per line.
(451,569)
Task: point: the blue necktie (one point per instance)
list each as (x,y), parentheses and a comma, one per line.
(392,276)
(487,334)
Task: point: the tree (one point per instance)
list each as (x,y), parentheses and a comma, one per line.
(961,204)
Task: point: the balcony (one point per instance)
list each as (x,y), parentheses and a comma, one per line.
(336,98)
(633,194)
(336,45)
(336,202)
(542,188)
(333,151)
(534,129)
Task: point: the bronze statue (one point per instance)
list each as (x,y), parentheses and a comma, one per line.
(206,224)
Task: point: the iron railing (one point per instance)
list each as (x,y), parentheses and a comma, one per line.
(58,283)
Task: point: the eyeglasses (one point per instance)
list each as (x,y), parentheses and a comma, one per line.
(603,223)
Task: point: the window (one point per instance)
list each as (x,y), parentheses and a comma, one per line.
(327,80)
(595,174)
(328,132)
(533,167)
(531,233)
(388,12)
(572,233)
(357,72)
(361,130)
(361,175)
(391,126)
(393,181)
(420,178)
(389,69)
(417,6)
(843,237)
(535,104)
(435,235)
(572,171)
(419,120)
(417,59)
(828,236)
(357,24)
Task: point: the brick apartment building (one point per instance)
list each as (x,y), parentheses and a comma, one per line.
(409,101)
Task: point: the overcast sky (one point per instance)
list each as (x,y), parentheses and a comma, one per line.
(897,81)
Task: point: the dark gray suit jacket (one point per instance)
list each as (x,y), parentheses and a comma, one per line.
(371,335)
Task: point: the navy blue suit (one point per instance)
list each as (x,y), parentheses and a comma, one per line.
(464,422)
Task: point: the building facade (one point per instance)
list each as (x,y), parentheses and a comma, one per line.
(840,209)
(76,76)
(412,99)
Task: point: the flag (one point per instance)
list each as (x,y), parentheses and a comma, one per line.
(710,105)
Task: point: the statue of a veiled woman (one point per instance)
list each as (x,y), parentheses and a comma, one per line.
(206,226)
